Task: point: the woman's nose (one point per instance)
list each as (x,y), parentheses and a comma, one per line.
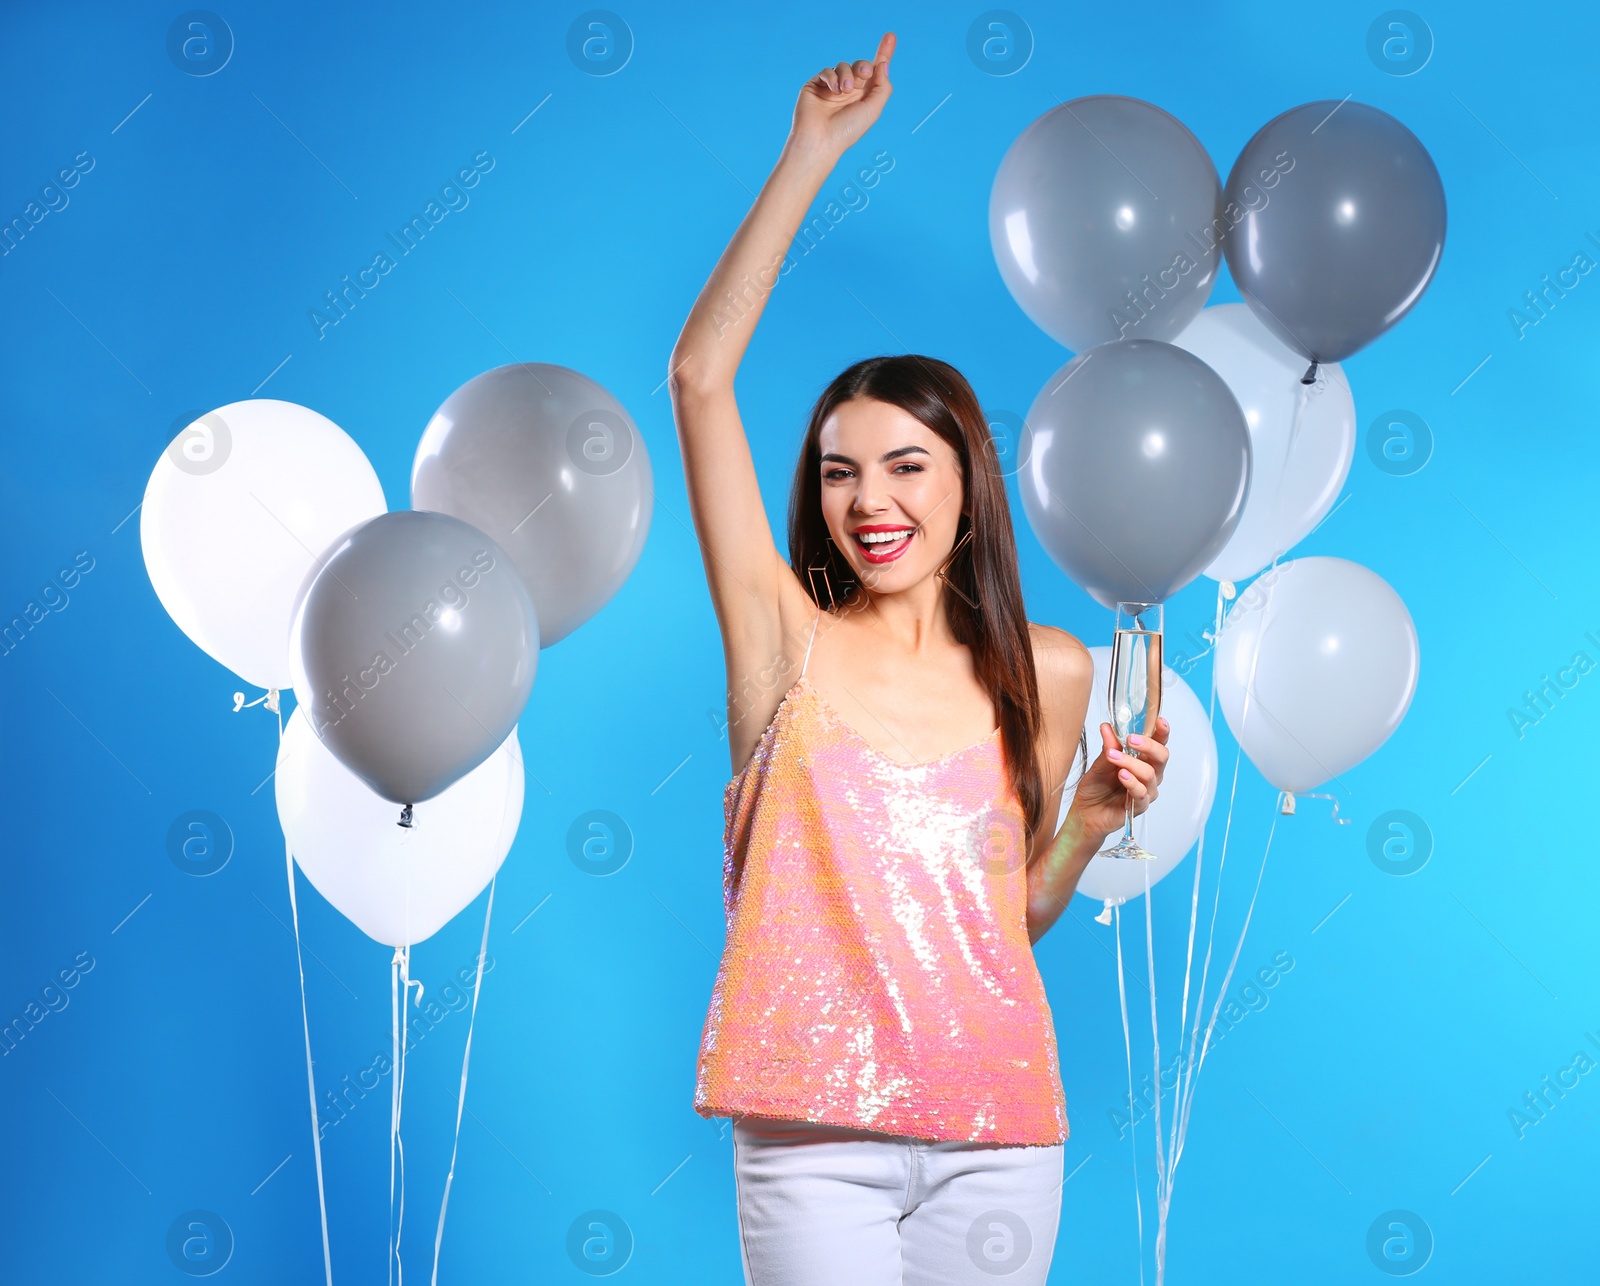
(868,499)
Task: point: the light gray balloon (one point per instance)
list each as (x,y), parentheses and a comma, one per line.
(1138,469)
(1316,665)
(551,466)
(1106,221)
(416,646)
(1337,220)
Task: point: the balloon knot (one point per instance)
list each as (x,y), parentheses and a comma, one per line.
(405,817)
(269,698)
(1286,803)
(1310,377)
(1229,589)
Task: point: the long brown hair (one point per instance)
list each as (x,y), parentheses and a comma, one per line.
(985,571)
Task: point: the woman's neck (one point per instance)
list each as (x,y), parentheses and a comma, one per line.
(910,622)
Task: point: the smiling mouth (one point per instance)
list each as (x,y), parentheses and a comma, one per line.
(883,545)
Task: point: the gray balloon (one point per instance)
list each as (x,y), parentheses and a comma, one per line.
(1138,470)
(417,646)
(1106,221)
(551,466)
(1337,221)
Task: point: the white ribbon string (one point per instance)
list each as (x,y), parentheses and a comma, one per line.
(1191,1073)
(461,1099)
(1186,1077)
(1181,1078)
(399,989)
(305,1025)
(1288,454)
(1155,1058)
(1127,1047)
(395,1015)
(269,698)
(1222,991)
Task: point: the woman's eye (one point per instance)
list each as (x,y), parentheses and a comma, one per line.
(833,475)
(915,468)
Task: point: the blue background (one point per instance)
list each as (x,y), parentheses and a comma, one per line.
(1379,1073)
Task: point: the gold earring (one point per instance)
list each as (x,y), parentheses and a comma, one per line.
(949,558)
(827,582)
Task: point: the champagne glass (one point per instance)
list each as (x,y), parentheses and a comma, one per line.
(1134,696)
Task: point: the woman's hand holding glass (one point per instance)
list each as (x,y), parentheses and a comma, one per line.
(1116,779)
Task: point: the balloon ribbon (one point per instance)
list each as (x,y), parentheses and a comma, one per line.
(305,1021)
(461,1099)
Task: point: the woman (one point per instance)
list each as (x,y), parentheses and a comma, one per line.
(901,735)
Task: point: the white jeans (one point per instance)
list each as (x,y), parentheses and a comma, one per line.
(824,1205)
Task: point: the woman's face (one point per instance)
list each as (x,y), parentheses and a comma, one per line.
(891,493)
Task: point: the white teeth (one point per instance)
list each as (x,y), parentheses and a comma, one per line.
(881,537)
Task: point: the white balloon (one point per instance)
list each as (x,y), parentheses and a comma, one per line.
(1171,825)
(1296,472)
(397,885)
(1316,664)
(238,510)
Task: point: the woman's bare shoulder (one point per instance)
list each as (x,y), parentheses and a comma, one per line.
(1065,673)
(1059,657)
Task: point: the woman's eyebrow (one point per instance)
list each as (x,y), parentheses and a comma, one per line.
(836,458)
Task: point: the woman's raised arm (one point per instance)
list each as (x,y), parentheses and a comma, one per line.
(743,567)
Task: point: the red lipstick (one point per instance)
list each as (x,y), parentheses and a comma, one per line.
(883,551)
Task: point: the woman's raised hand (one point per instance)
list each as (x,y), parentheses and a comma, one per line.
(839,104)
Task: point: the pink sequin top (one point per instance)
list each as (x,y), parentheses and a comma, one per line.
(877,971)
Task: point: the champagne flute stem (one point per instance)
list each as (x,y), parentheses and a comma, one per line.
(1127,803)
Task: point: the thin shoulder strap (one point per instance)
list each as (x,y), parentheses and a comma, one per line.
(810,641)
